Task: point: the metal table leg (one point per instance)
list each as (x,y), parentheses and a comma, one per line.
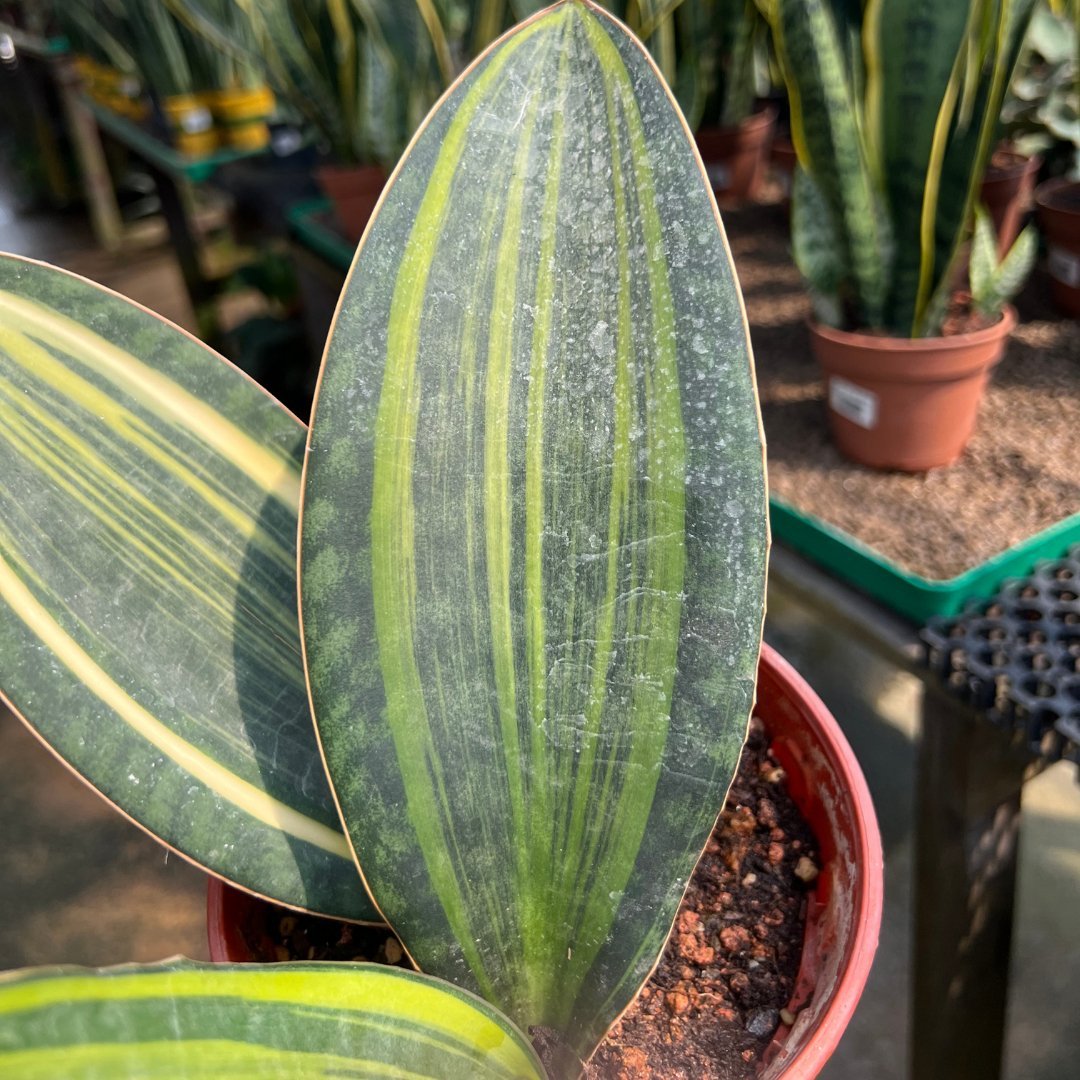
(185,244)
(969,782)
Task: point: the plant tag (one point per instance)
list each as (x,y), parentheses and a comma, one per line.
(196,120)
(719,176)
(1064,266)
(852,402)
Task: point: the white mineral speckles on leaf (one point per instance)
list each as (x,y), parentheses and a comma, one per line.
(601,340)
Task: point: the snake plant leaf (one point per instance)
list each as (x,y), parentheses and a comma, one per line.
(915,83)
(533,539)
(148,630)
(966,154)
(190,1021)
(817,250)
(825,130)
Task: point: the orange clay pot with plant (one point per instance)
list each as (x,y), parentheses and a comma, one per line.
(722,54)
(354,190)
(737,157)
(884,199)
(1006,191)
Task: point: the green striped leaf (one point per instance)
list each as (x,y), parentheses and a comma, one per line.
(811,43)
(148,630)
(186,1021)
(817,250)
(533,540)
(916,85)
(987,74)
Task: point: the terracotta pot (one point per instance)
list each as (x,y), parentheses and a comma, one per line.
(906,403)
(1006,190)
(354,190)
(844,910)
(736,158)
(1058,203)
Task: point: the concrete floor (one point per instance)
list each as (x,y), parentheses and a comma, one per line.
(80,885)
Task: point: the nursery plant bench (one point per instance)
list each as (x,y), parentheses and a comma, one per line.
(171,172)
(981,740)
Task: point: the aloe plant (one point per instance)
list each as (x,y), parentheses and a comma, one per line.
(895,111)
(994,280)
(532,561)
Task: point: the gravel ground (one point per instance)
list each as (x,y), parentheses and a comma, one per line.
(1020,473)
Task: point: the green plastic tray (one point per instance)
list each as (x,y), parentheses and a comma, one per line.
(909,594)
(159,153)
(308,223)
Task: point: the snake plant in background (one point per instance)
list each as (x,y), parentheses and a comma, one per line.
(478,22)
(361,75)
(532,559)
(994,280)
(722,62)
(895,110)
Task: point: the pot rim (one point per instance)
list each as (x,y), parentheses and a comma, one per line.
(1046,195)
(817,1044)
(856,339)
(1019,165)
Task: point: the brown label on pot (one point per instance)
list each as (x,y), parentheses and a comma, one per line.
(1064,266)
(852,402)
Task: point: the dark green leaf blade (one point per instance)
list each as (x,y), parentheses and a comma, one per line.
(915,94)
(148,625)
(534,536)
(188,1021)
(813,42)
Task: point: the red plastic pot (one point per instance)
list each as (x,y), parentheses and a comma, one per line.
(844,912)
(906,403)
(1058,204)
(736,158)
(844,916)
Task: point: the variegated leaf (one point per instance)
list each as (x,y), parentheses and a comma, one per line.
(812,44)
(148,633)
(534,535)
(914,92)
(187,1021)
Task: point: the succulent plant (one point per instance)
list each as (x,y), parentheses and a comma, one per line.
(532,563)
(895,110)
